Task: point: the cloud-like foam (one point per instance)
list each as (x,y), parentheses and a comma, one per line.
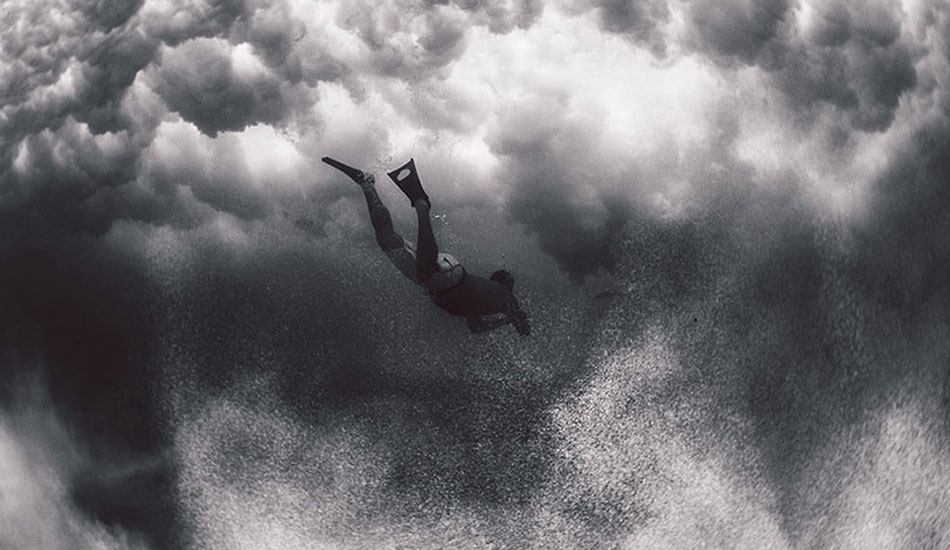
(739,28)
(197,80)
(639,20)
(863,66)
(856,58)
(181,20)
(228,67)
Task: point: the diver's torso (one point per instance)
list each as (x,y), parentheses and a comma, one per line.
(473,296)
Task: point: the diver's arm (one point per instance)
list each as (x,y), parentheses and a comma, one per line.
(478,324)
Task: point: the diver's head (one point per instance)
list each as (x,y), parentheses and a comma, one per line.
(505,278)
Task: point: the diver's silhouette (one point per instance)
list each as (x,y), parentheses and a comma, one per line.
(447,282)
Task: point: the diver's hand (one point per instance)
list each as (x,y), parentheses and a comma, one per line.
(519,319)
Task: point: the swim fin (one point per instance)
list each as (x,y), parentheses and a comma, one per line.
(406,178)
(355,174)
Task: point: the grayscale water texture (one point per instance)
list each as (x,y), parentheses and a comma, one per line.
(728,221)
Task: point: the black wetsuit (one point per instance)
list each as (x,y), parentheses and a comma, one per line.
(475,296)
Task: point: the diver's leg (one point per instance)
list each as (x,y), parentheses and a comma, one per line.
(397,249)
(426,249)
(394,246)
(386,235)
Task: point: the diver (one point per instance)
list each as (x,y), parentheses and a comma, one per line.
(450,287)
